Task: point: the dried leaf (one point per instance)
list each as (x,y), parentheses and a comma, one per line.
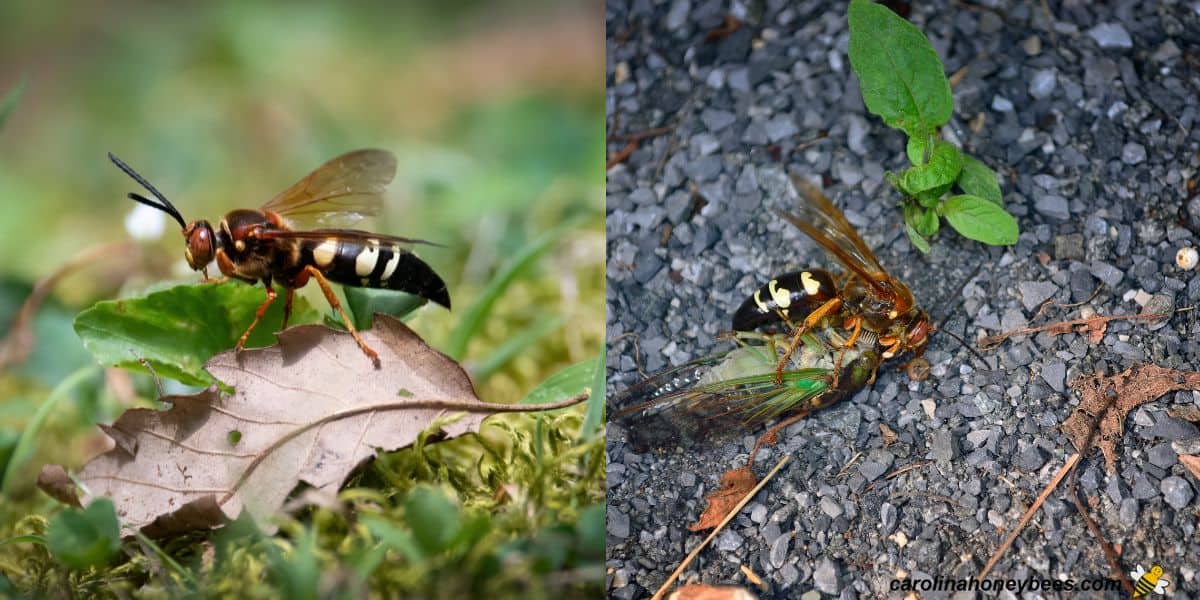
(1106,401)
(54,481)
(1192,463)
(735,484)
(700,591)
(889,436)
(308,410)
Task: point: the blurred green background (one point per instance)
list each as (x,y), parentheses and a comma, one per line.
(494,110)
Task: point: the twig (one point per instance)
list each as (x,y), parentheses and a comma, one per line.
(1109,554)
(637,351)
(898,472)
(1012,536)
(1050,302)
(634,142)
(19,342)
(729,517)
(1069,326)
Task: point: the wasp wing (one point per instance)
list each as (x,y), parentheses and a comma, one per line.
(340,192)
(821,220)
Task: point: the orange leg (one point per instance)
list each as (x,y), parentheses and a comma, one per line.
(310,270)
(856,323)
(809,322)
(287,306)
(258,314)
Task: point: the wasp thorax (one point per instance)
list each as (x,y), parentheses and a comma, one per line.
(199,250)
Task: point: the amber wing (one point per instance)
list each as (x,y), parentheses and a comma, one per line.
(340,192)
(822,221)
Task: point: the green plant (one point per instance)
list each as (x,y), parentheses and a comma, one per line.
(904,83)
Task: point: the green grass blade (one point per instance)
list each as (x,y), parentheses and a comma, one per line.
(30,434)
(23,539)
(515,346)
(477,314)
(593,419)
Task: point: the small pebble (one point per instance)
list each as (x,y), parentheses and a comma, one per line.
(1187,258)
(1176,491)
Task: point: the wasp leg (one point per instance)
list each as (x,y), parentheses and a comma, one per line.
(809,322)
(310,270)
(258,314)
(287,307)
(854,322)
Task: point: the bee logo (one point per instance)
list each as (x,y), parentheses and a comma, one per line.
(1147,581)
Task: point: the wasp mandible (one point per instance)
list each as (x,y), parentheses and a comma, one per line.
(271,245)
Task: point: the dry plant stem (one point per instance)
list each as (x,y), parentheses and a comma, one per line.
(1068,326)
(736,509)
(1012,536)
(16,346)
(1109,554)
(448,405)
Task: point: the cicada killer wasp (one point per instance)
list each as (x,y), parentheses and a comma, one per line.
(865,298)
(838,330)
(271,245)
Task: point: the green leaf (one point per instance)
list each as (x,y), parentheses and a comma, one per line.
(926,222)
(900,75)
(977,179)
(593,421)
(8,104)
(894,179)
(912,214)
(177,329)
(591,532)
(433,518)
(362,304)
(570,381)
(933,197)
(945,162)
(981,220)
(918,242)
(85,538)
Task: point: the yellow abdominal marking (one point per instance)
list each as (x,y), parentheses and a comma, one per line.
(811,286)
(758,301)
(365,263)
(781,296)
(323,254)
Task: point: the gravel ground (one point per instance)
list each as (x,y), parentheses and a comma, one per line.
(1089,112)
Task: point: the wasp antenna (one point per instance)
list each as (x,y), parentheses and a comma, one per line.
(148,202)
(966,345)
(162,203)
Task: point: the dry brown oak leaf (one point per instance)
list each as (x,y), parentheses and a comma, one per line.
(1106,401)
(310,409)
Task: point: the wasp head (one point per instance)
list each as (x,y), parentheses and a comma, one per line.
(200,244)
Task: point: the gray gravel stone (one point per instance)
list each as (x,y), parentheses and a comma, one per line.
(1110,275)
(1053,206)
(1133,153)
(1043,83)
(1034,293)
(1177,492)
(1111,35)
(1055,374)
(826,577)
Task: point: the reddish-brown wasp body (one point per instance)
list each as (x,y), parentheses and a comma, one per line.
(269,245)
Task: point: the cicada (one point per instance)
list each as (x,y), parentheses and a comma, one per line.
(836,330)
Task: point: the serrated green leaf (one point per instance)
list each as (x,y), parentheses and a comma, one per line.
(945,162)
(931,198)
(900,75)
(981,220)
(177,329)
(362,304)
(976,179)
(85,538)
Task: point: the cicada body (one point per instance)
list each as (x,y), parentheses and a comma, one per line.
(736,390)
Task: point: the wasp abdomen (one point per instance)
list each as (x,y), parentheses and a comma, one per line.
(375,264)
(790,296)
